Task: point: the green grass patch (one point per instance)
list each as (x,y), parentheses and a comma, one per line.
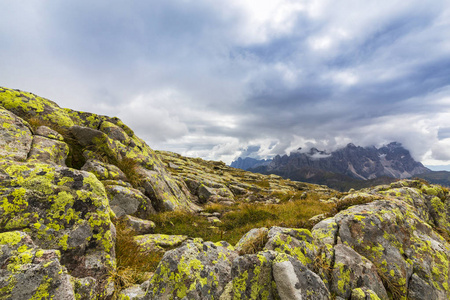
(239,219)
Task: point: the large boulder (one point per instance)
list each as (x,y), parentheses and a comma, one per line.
(30,272)
(400,245)
(196,270)
(61,209)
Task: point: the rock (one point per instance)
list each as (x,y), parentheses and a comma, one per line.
(103,171)
(351,271)
(139,226)
(165,192)
(253,241)
(100,142)
(295,281)
(26,105)
(398,243)
(134,292)
(48,151)
(204,193)
(84,288)
(114,132)
(196,270)
(317,218)
(29,272)
(61,209)
(49,133)
(214,220)
(364,293)
(15,136)
(296,242)
(252,276)
(159,242)
(129,201)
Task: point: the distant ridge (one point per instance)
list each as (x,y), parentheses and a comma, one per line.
(249,163)
(351,166)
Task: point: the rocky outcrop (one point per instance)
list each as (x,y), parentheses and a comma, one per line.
(66,177)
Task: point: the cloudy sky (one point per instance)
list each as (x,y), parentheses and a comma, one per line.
(219,79)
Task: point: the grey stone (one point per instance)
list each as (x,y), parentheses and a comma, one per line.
(49,133)
(295,281)
(205,271)
(139,226)
(48,151)
(129,201)
(15,136)
(351,271)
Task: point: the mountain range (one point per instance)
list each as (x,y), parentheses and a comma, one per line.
(348,167)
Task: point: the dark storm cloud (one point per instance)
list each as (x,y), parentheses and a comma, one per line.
(227,78)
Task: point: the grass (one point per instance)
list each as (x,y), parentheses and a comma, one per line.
(241,218)
(129,168)
(133,266)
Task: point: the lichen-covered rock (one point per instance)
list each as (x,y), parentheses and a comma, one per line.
(367,294)
(63,209)
(99,142)
(129,201)
(48,151)
(26,105)
(84,288)
(139,226)
(398,243)
(351,271)
(135,292)
(164,191)
(28,272)
(15,136)
(253,278)
(115,132)
(49,133)
(103,171)
(158,242)
(252,241)
(294,281)
(196,270)
(296,242)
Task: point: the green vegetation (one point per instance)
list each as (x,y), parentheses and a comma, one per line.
(129,168)
(239,219)
(133,266)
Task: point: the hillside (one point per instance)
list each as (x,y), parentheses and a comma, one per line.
(436,177)
(89,211)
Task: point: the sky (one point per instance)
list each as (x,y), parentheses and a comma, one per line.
(219,79)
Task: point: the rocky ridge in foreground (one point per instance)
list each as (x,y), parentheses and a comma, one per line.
(66,177)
